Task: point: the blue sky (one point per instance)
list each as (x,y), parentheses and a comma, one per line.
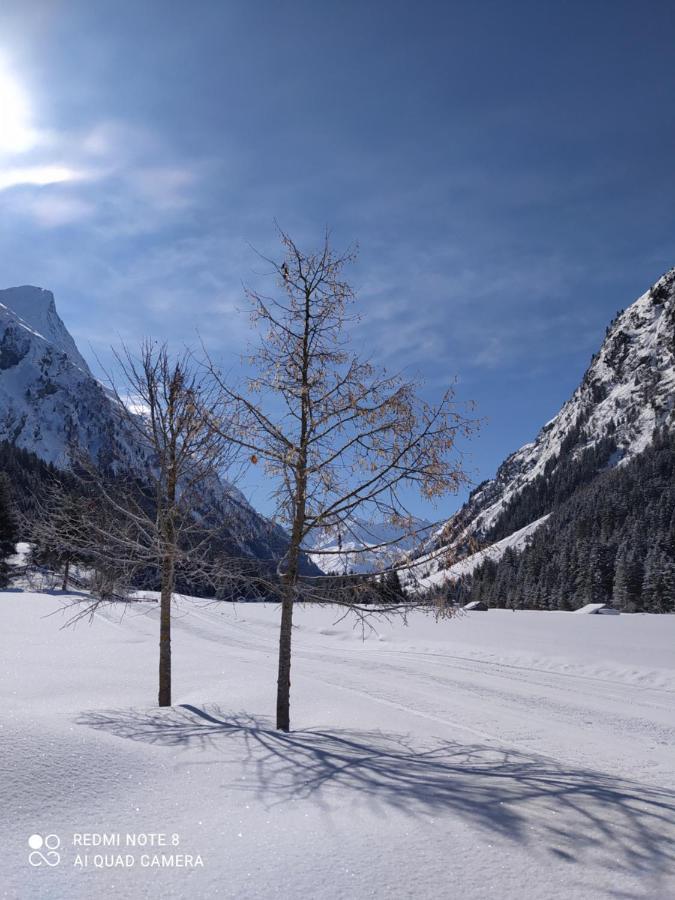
(507,169)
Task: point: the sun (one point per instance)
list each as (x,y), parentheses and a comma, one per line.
(16,133)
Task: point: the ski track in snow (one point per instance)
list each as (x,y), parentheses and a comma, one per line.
(624,711)
(430,761)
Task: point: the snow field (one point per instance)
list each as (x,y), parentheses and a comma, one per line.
(514,755)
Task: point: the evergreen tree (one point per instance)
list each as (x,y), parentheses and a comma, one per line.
(627,586)
(658,584)
(609,539)
(8,528)
(389,588)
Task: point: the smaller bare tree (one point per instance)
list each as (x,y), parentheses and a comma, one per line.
(160,516)
(50,547)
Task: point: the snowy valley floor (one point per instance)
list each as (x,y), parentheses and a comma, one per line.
(507,755)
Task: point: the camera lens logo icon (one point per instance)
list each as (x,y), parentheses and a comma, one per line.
(44,850)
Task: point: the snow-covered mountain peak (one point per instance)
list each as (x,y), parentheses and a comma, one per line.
(37,309)
(359,546)
(52,405)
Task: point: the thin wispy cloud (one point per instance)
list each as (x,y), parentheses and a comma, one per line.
(53,210)
(79,166)
(38,175)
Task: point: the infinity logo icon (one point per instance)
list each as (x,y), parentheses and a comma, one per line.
(44,850)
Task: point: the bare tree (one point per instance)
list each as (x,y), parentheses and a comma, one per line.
(49,528)
(171,412)
(337,434)
(162,516)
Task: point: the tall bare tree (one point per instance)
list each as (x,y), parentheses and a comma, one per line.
(337,434)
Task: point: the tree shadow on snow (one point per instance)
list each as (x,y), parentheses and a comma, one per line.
(572,813)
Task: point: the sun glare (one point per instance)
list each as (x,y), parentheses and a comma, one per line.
(16,134)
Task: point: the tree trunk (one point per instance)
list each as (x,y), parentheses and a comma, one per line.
(165,632)
(167,528)
(299,515)
(66,573)
(290,580)
(284,679)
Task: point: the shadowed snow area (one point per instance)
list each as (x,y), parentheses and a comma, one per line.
(501,754)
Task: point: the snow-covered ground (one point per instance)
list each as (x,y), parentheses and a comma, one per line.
(507,755)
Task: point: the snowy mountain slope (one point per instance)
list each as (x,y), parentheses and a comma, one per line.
(359,546)
(49,401)
(627,391)
(52,405)
(36,307)
(465,566)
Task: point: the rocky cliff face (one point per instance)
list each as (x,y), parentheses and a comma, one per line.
(49,401)
(36,309)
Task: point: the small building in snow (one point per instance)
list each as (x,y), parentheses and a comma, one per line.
(597,609)
(476,605)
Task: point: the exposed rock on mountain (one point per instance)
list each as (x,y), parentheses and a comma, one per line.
(51,405)
(626,393)
(37,309)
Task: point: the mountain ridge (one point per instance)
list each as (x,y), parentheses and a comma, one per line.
(626,393)
(51,405)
